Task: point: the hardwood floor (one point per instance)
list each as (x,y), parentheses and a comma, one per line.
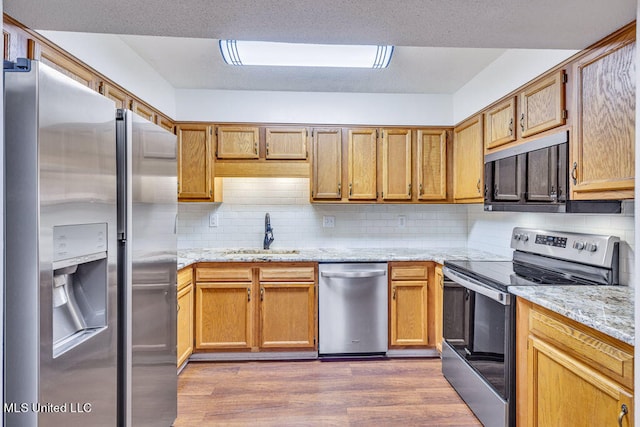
(405,392)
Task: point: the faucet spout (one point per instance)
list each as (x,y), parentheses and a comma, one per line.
(268,232)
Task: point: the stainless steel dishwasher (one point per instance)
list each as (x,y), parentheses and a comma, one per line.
(352,309)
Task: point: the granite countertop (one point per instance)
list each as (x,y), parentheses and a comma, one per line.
(190,256)
(608,309)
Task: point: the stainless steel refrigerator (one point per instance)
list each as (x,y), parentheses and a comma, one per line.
(86,263)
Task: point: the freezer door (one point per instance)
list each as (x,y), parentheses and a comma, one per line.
(150,246)
(60,175)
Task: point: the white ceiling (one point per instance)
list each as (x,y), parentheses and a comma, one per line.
(186,52)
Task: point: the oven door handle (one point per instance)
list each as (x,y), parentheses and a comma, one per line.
(476,286)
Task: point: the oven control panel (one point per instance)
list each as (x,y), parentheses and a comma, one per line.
(549,240)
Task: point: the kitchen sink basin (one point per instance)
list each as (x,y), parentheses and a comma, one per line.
(261,252)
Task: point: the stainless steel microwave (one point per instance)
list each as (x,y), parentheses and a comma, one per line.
(534,177)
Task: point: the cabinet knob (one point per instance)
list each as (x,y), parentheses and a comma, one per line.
(339,190)
(249,294)
(623,412)
(511,127)
(261,294)
(350,189)
(409,192)
(522,122)
(478,185)
(394,293)
(421,191)
(574,173)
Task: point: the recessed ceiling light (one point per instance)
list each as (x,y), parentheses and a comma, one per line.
(239,52)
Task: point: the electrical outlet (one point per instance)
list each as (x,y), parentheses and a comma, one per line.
(328,221)
(213,220)
(402,221)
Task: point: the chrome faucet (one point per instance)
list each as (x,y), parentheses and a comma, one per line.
(268,232)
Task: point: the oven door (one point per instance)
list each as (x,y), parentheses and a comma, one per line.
(477,354)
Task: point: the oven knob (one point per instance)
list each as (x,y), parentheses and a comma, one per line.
(517,236)
(578,245)
(524,237)
(591,247)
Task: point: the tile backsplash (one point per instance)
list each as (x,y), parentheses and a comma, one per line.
(299,224)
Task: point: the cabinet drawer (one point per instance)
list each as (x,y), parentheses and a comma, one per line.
(185,277)
(287,273)
(583,344)
(222,274)
(409,272)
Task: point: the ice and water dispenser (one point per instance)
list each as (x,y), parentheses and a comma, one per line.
(79,292)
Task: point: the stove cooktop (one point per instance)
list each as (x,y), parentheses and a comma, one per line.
(502,274)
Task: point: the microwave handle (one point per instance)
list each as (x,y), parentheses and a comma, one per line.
(474,285)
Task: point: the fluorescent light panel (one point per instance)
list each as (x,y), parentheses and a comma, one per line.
(239,52)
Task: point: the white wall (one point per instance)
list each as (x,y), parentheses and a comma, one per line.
(511,70)
(314,107)
(109,55)
(298,224)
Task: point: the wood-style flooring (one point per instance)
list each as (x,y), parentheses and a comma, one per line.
(394,392)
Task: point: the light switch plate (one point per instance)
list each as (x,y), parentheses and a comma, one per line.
(213,220)
(328,221)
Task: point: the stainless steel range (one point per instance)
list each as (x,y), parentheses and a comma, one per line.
(478,352)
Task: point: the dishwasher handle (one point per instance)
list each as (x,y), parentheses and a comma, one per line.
(353,274)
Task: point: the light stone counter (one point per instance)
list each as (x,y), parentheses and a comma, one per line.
(190,256)
(608,309)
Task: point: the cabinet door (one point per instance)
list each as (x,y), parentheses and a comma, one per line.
(439,286)
(223,315)
(499,124)
(604,148)
(362,164)
(468,161)
(542,186)
(507,179)
(194,162)
(286,143)
(542,105)
(66,65)
(326,163)
(408,313)
(237,142)
(118,96)
(432,164)
(185,323)
(17,42)
(143,111)
(563,391)
(287,315)
(165,123)
(396,164)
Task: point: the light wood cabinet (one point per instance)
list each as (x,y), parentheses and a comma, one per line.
(439,297)
(396,164)
(195,166)
(326,172)
(253,307)
(165,123)
(185,315)
(362,164)
(468,161)
(432,164)
(120,97)
(500,124)
(67,65)
(286,143)
(237,142)
(408,289)
(568,373)
(143,110)
(17,42)
(603,149)
(542,104)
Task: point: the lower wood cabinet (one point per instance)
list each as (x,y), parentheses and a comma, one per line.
(250,307)
(438,304)
(185,315)
(408,304)
(570,374)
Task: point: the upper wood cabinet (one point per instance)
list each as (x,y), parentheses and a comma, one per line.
(17,42)
(237,142)
(408,287)
(143,110)
(67,65)
(286,143)
(396,164)
(165,123)
(468,161)
(500,124)
(432,164)
(195,180)
(362,164)
(326,174)
(542,104)
(603,149)
(120,97)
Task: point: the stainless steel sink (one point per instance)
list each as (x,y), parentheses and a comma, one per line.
(261,252)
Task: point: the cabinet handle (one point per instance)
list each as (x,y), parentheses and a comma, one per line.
(511,127)
(574,173)
(178,311)
(249,294)
(420,190)
(350,189)
(495,191)
(623,411)
(409,192)
(339,190)
(522,122)
(267,150)
(261,293)
(394,293)
(478,185)
(255,147)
